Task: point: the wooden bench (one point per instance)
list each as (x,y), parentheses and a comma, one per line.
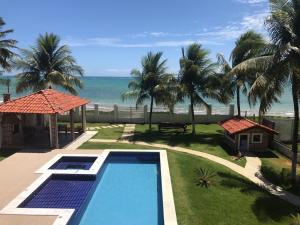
(172,126)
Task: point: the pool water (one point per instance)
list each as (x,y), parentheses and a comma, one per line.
(127,192)
(61,191)
(73,162)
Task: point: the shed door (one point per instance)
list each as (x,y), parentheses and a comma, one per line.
(243,142)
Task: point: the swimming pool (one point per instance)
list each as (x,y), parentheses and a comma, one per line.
(128,191)
(128,188)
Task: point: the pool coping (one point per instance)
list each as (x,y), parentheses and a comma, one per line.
(64,215)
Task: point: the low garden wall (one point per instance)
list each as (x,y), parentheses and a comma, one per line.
(284,149)
(141,115)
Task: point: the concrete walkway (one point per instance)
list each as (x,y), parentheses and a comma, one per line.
(250,171)
(80,140)
(105,127)
(128,131)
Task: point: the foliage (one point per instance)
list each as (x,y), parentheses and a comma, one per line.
(198,78)
(152,82)
(279,64)
(296,219)
(285,175)
(204,177)
(6,46)
(48,63)
(6,82)
(247,46)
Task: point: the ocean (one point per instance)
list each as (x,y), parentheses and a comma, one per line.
(106,91)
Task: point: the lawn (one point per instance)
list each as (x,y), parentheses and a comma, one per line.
(104,133)
(93,145)
(231,200)
(272,166)
(208,138)
(109,133)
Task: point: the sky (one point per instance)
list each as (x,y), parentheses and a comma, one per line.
(109,37)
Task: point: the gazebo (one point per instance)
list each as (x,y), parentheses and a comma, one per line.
(34,111)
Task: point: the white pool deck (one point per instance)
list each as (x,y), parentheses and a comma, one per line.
(18,182)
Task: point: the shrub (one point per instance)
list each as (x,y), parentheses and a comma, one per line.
(285,176)
(204,177)
(296,219)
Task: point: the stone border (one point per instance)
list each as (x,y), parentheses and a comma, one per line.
(64,215)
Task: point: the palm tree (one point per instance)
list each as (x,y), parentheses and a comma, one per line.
(6,46)
(247,46)
(48,63)
(149,83)
(281,65)
(198,79)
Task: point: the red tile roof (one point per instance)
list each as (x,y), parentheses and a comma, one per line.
(47,101)
(239,124)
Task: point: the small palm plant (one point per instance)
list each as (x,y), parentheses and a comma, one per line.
(204,177)
(295,219)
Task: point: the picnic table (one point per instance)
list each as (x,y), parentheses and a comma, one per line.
(172,126)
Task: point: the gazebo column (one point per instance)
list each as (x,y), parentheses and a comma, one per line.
(72,124)
(83,117)
(53,131)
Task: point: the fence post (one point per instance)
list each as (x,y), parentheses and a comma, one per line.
(130,114)
(231,110)
(96,111)
(145,113)
(116,113)
(208,110)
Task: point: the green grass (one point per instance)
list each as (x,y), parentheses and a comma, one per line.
(208,138)
(272,165)
(104,133)
(109,133)
(87,124)
(231,200)
(93,145)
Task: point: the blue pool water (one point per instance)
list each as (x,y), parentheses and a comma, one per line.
(127,192)
(73,162)
(61,191)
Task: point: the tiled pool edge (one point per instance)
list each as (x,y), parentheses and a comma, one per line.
(64,215)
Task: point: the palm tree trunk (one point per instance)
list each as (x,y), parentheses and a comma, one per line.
(295,129)
(150,116)
(238,101)
(193,114)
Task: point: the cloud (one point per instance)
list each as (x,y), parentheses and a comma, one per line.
(234,29)
(118,43)
(150,34)
(75,42)
(118,71)
(208,36)
(252,2)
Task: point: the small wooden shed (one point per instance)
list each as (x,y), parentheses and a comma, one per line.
(245,135)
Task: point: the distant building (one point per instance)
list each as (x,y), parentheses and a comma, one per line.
(245,135)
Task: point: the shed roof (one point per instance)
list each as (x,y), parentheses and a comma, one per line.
(237,124)
(46,101)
